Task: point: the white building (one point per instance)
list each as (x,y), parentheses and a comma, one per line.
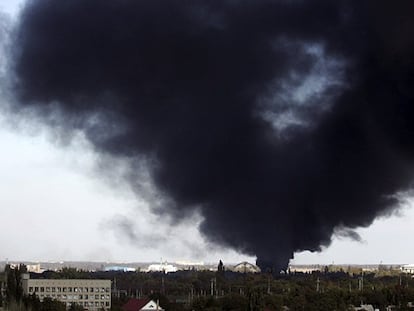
(134,304)
(92,294)
(120,268)
(162,267)
(34,268)
(246,267)
(408,268)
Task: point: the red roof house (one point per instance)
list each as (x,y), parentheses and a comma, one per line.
(147,304)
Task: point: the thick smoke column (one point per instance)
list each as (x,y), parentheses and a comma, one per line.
(281,121)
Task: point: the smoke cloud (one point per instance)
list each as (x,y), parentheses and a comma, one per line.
(280,121)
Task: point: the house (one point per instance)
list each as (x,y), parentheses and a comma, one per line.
(134,304)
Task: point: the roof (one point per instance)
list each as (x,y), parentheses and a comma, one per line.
(134,304)
(408,266)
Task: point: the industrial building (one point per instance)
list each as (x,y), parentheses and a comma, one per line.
(92,294)
(408,269)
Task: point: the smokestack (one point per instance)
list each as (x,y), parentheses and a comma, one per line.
(281,121)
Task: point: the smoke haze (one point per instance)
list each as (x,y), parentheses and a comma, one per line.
(280,121)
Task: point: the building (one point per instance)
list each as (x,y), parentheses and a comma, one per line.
(92,294)
(162,267)
(141,305)
(305,268)
(120,268)
(34,268)
(408,269)
(246,267)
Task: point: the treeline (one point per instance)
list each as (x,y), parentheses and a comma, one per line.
(319,291)
(225,290)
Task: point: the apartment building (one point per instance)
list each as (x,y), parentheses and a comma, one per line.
(92,294)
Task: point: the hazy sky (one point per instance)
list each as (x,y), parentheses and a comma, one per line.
(55,207)
(10,6)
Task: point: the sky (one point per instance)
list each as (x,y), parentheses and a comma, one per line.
(54,206)
(45,218)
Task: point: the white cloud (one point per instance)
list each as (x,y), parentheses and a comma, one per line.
(11,7)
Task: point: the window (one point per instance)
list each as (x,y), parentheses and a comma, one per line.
(42,289)
(70,289)
(30,289)
(59,289)
(64,289)
(47,289)
(96,296)
(91,289)
(108,290)
(85,289)
(36,289)
(53,289)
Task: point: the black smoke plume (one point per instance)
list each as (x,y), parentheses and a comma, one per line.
(281,121)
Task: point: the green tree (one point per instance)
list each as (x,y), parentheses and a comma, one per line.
(32,302)
(76,307)
(50,304)
(234,302)
(14,290)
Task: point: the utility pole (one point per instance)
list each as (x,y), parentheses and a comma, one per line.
(361,282)
(268,285)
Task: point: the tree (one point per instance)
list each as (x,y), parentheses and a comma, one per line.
(76,307)
(50,304)
(32,302)
(14,290)
(220,267)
